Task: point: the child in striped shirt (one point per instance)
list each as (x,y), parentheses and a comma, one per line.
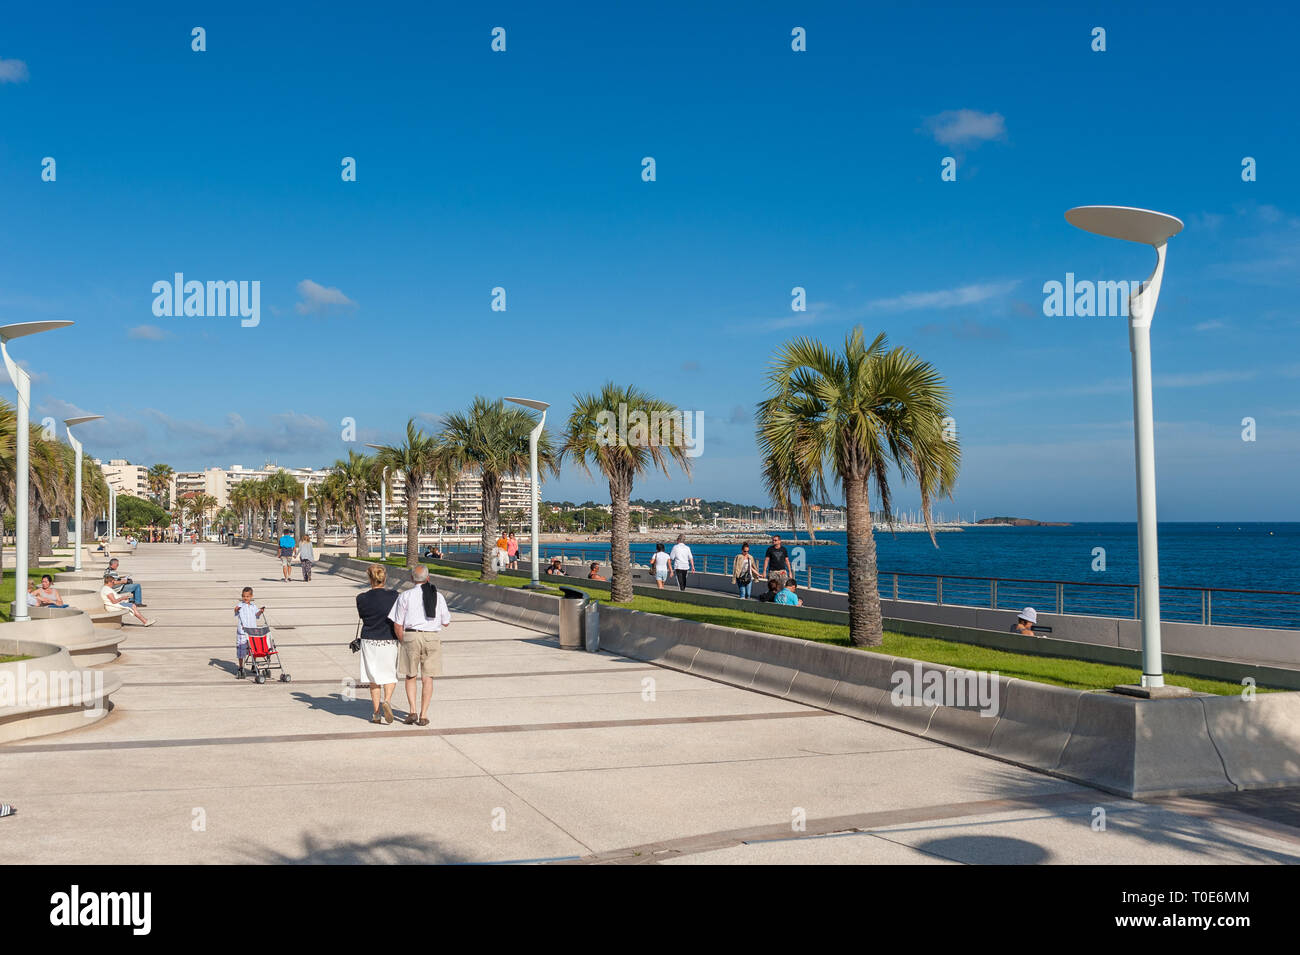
(248,622)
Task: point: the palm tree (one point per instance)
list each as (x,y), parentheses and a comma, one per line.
(491,440)
(8,470)
(412,461)
(622,459)
(159,478)
(356,484)
(781,477)
(241,501)
(200,505)
(283,489)
(45,462)
(324,497)
(855,413)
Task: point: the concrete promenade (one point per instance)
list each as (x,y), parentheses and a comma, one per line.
(533,754)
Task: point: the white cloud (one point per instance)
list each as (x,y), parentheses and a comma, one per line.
(966,127)
(13,71)
(148,333)
(317,299)
(1200,379)
(945,298)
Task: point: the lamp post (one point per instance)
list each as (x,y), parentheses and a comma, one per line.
(112,512)
(383,509)
(76,447)
(532,457)
(1153,229)
(23,384)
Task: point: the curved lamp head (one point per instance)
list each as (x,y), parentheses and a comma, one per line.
(530,403)
(82,420)
(9,332)
(1125,222)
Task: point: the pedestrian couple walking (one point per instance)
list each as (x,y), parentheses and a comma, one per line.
(397,632)
(291,550)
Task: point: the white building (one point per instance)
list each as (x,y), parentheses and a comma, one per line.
(125,477)
(463,514)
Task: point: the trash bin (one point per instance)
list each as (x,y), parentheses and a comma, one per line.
(573,603)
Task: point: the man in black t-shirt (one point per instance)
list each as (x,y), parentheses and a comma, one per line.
(776,562)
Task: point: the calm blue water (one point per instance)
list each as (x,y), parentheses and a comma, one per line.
(1258,556)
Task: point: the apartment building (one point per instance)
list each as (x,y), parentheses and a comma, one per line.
(462,514)
(125,477)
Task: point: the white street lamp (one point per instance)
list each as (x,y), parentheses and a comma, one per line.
(383,509)
(76,447)
(1154,229)
(532,456)
(23,383)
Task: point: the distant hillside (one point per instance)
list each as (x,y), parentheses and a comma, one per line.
(1022,522)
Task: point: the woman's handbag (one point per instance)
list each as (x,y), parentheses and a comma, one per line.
(746,577)
(355,645)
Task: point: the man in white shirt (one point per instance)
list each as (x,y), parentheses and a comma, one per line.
(683,560)
(418,614)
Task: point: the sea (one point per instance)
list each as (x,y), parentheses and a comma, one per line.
(1096,564)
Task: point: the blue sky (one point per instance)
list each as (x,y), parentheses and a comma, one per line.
(775,169)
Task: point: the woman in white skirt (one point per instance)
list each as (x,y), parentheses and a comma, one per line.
(378,643)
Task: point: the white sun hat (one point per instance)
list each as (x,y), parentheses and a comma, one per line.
(1029,614)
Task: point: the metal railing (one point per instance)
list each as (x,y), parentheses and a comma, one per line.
(1221,606)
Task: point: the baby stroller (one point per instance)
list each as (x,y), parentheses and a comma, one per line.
(263,657)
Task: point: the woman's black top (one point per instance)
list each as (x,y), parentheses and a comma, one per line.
(373,607)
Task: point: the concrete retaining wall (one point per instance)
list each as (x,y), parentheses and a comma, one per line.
(48,693)
(1120,744)
(1257,645)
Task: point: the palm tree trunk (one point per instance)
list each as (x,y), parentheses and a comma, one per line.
(412,524)
(491,515)
(320,523)
(33,530)
(63,529)
(866,628)
(363,545)
(620,554)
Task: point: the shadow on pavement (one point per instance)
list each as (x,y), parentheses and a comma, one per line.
(392,850)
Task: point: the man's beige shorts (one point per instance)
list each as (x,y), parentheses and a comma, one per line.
(421,654)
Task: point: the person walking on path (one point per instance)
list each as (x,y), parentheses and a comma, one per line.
(776,562)
(418,615)
(512,550)
(683,561)
(306,556)
(744,571)
(112,600)
(287,547)
(660,564)
(379,644)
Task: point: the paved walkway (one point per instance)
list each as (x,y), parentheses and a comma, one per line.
(533,754)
